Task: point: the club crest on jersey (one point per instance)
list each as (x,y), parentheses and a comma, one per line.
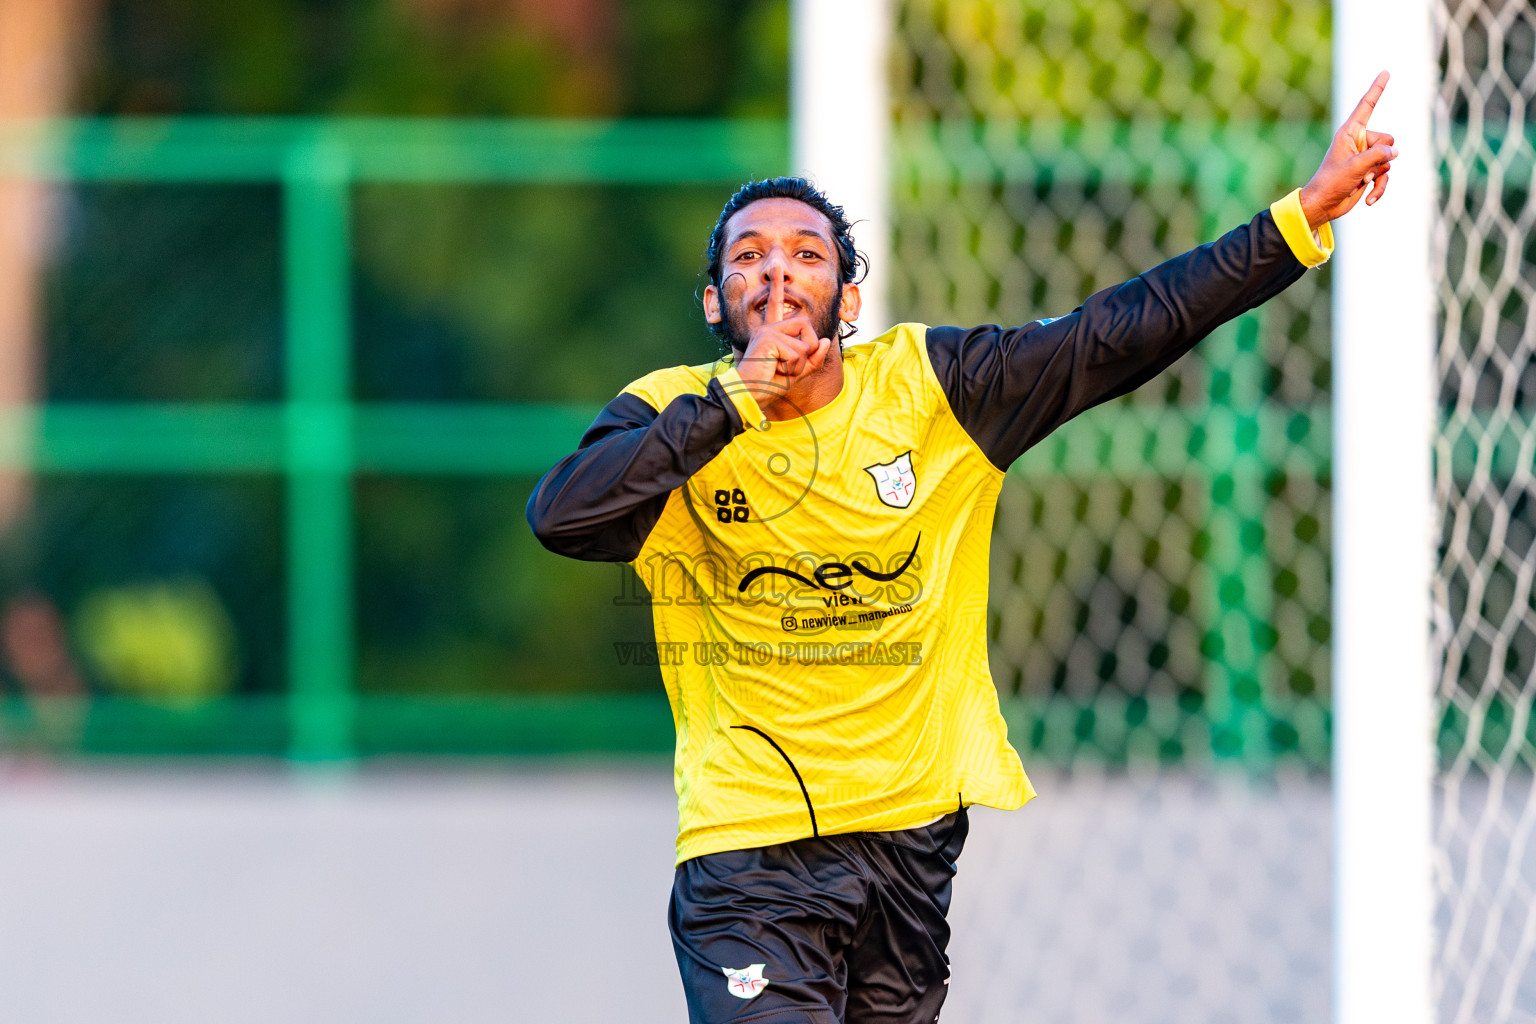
(894,481)
(747,982)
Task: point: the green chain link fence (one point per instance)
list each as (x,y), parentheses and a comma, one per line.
(1160,570)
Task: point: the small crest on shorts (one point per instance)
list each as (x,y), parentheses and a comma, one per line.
(746,982)
(895,481)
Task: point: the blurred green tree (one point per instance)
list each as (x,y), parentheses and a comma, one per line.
(440,58)
(174,293)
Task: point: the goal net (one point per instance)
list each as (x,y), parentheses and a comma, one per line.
(1485,612)
(1161,628)
(1160,611)
(1160,571)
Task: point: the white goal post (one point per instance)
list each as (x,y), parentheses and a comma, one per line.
(841,116)
(1383,423)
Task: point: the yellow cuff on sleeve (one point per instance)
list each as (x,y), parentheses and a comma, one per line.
(1312,250)
(741,397)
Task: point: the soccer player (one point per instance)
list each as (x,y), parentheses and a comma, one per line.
(813,526)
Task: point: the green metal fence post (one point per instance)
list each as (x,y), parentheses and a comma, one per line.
(319,451)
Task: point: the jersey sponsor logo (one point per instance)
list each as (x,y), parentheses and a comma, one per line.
(802,580)
(745,982)
(832,575)
(895,482)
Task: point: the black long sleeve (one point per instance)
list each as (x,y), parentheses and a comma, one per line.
(600,502)
(1010,387)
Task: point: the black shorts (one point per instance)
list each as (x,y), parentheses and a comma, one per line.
(845,929)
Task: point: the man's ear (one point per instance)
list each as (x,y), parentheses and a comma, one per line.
(848,310)
(711,304)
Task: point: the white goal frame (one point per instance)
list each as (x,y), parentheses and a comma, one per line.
(1383,539)
(1383,424)
(841,123)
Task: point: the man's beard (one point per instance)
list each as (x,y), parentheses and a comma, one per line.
(738,334)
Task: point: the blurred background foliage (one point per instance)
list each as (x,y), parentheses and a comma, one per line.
(1073,59)
(173,589)
(563,294)
(439,58)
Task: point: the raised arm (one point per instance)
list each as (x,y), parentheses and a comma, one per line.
(1010,387)
(600,502)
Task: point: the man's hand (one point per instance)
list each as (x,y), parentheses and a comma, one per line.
(1357,160)
(780,350)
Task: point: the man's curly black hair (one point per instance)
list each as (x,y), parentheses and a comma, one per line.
(852,265)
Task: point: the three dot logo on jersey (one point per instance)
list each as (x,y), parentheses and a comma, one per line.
(895,482)
(746,982)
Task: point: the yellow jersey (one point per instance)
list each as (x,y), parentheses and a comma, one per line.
(819,584)
(820,597)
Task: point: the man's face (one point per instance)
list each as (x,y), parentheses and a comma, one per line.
(789,236)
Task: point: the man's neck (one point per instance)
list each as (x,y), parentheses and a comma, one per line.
(806,393)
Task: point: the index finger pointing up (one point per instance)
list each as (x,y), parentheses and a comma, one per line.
(1362,115)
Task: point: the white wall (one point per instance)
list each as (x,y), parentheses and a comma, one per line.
(541,896)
